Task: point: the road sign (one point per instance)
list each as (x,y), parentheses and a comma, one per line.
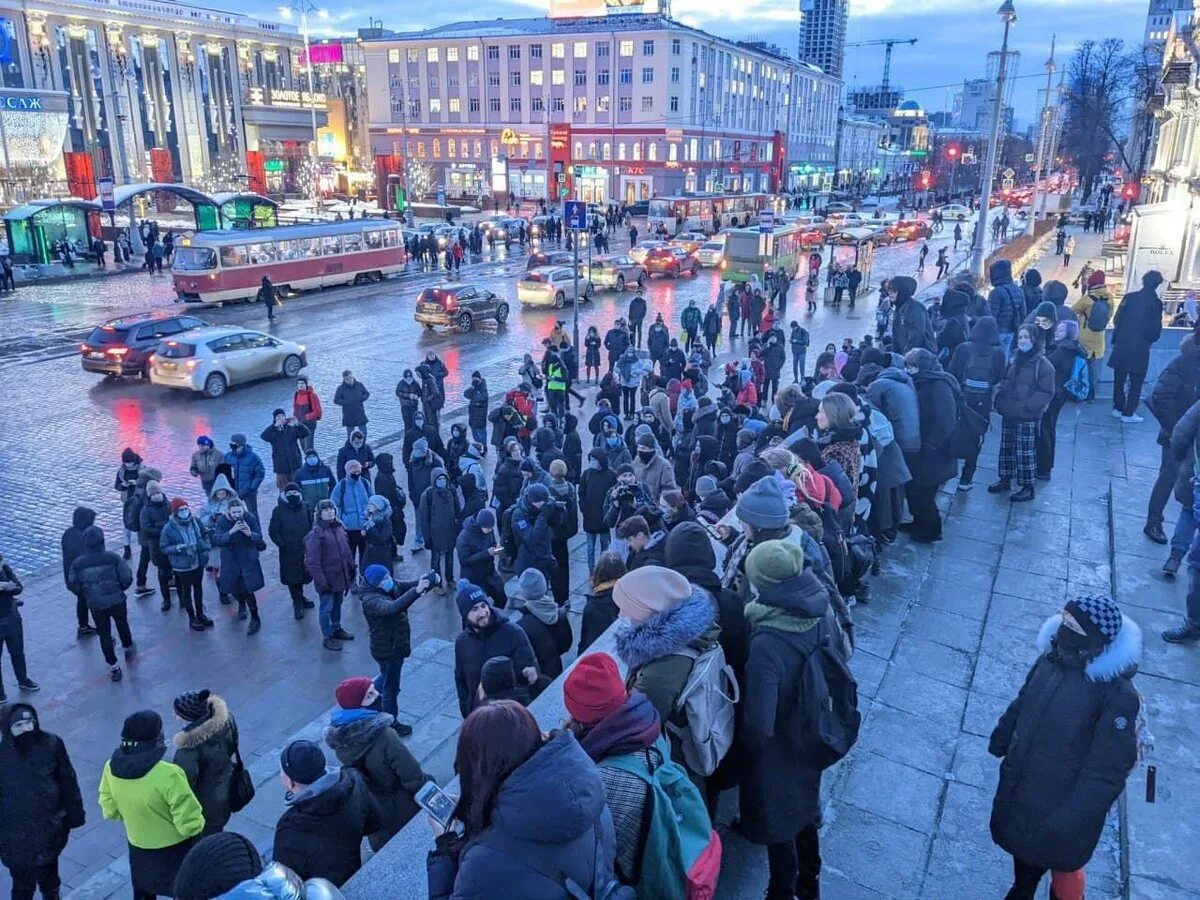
(766,222)
(107,201)
(1029,157)
(575,214)
(1010,173)
(562,193)
(579,171)
(524,169)
(1006,184)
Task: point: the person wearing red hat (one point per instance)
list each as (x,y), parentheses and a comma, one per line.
(1095,295)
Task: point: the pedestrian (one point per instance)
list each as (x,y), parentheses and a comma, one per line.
(408,392)
(350,497)
(315,480)
(978,366)
(1023,398)
(267,297)
(958,233)
(379,543)
(954,328)
(1066,354)
(433,393)
(1068,250)
(476,395)
(132,516)
(937,404)
(545,623)
(307,411)
(153,515)
(385,605)
(204,463)
(1006,302)
(40,803)
(329,812)
(352,395)
(330,561)
(1175,391)
(599,611)
(798,340)
(356,448)
(365,740)
(291,521)
(247,472)
(1094,310)
(152,799)
(591,356)
(72,548)
(595,485)
(227,864)
(485,634)
(185,545)
(922,253)
(911,325)
(439,517)
(12,630)
(1067,743)
(515,786)
(636,315)
(205,749)
(1137,325)
(239,536)
(102,578)
(286,437)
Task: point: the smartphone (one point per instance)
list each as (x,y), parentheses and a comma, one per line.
(436,802)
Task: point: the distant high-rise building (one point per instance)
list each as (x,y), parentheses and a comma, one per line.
(1165,16)
(823,34)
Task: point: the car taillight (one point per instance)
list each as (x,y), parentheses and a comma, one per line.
(191,364)
(84,348)
(118,351)
(151,358)
(451,303)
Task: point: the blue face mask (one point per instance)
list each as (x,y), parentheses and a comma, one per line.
(613,441)
(441,482)
(386,585)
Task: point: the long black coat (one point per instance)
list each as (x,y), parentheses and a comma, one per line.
(289,524)
(241,572)
(285,447)
(352,399)
(205,753)
(937,407)
(39,797)
(1068,742)
(1137,324)
(549,642)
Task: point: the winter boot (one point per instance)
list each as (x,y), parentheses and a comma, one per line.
(195,624)
(1155,533)
(308,604)
(1187,633)
(28,684)
(130,652)
(1171,566)
(298,609)
(1024,495)
(243,613)
(128,554)
(330,643)
(84,631)
(115,673)
(1000,487)
(342,634)
(255,625)
(166,604)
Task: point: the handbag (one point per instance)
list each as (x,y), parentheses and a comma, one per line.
(241,787)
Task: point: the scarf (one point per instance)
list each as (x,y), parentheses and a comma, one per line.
(544,608)
(777,619)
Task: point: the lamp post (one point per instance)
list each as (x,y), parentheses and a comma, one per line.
(1009,14)
(304,7)
(1042,147)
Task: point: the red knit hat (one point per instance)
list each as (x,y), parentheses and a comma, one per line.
(1096,279)
(594,689)
(350,693)
(177,503)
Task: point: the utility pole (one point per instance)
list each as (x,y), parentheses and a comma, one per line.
(1042,147)
(1009,14)
(1055,128)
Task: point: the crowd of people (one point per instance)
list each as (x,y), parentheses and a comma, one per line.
(732,524)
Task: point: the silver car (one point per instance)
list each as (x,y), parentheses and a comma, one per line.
(552,286)
(711,253)
(613,272)
(210,360)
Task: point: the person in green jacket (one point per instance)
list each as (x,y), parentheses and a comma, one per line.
(152,798)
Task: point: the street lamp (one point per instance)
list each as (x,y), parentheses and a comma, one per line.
(1042,148)
(1008,13)
(304,7)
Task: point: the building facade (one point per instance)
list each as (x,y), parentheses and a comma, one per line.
(823,34)
(617,107)
(160,91)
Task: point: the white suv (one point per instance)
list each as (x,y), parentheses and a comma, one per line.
(552,286)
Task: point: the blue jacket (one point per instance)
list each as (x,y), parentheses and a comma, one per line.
(1006,299)
(533,533)
(248,471)
(350,496)
(474,562)
(241,572)
(550,810)
(184,543)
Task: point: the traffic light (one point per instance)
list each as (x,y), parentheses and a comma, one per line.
(926,180)
(401,198)
(1130,191)
(952,152)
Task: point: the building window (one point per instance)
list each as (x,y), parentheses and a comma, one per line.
(624,104)
(647,104)
(451,148)
(414,85)
(493,79)
(700,81)
(464,153)
(602,49)
(557,51)
(537,104)
(637,151)
(455,105)
(558,76)
(494,104)
(478,149)
(674,74)
(473,53)
(393,56)
(647,48)
(652,151)
(672,152)
(421,150)
(493,51)
(581,49)
(602,77)
(537,149)
(647,75)
(473,104)
(625,48)
(431,55)
(557,104)
(536,77)
(535,51)
(674,104)
(437,148)
(580,105)
(602,103)
(607,150)
(514,77)
(591,150)
(514,51)
(580,77)
(434,83)
(621,151)
(675,47)
(451,54)
(435,104)
(452,81)
(472,79)
(414,55)
(625,76)
(414,108)
(578,150)
(514,104)
(495,147)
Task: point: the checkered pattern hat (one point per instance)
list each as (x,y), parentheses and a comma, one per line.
(1099,612)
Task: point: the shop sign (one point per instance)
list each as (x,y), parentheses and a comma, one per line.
(674,134)
(273,165)
(590,172)
(24,104)
(288,99)
(560,137)
(635,170)
(508,137)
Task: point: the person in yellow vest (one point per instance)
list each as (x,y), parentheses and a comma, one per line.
(151,796)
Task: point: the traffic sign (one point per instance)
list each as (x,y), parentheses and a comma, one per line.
(575,214)
(1006,184)
(562,193)
(524,169)
(1010,173)
(107,200)
(1029,157)
(766,222)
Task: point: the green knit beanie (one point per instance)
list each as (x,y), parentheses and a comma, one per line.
(772,562)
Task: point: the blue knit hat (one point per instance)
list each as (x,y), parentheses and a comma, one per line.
(763,504)
(375,574)
(468,595)
(1099,614)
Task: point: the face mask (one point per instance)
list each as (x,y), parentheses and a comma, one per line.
(302,387)
(645,455)
(386,585)
(357,442)
(594,465)
(724,420)
(292,497)
(487,530)
(356,475)
(184,514)
(613,441)
(328,515)
(1025,346)
(312,460)
(441,482)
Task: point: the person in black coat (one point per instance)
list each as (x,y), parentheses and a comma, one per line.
(506,483)
(40,802)
(286,436)
(1177,388)
(572,447)
(953,329)
(477,408)
(911,326)
(385,603)
(477,547)
(1067,742)
(978,366)
(352,396)
(689,551)
(290,521)
(1067,350)
(485,634)
(600,611)
(546,625)
(937,405)
(82,519)
(12,629)
(1137,324)
(636,315)
(154,513)
(387,487)
(329,812)
(379,543)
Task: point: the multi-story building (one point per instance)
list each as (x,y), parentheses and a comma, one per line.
(148,90)
(823,34)
(857,165)
(604,107)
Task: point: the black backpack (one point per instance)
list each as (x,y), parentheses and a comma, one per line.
(1097,319)
(828,702)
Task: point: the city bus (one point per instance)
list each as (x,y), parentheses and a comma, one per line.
(705,212)
(751,252)
(215,266)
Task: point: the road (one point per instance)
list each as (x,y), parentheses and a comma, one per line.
(65,429)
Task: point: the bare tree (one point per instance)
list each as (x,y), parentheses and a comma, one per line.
(1100,84)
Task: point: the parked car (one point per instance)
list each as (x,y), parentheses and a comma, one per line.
(614,272)
(459,306)
(711,253)
(643,247)
(549,258)
(552,286)
(837,206)
(538,225)
(124,346)
(210,360)
(689,241)
(954,211)
(910,230)
(669,261)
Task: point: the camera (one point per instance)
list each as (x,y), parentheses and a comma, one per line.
(433,579)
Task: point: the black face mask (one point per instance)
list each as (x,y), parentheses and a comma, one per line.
(24,742)
(645,455)
(376,705)
(1075,649)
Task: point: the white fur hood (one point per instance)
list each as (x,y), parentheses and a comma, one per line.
(1120,658)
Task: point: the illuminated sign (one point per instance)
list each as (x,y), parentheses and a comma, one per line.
(287,99)
(567,9)
(508,137)
(24,104)
(323,54)
(273,165)
(560,137)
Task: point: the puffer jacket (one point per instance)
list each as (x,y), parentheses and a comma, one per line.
(184,543)
(911,325)
(350,496)
(151,519)
(82,519)
(1028,387)
(327,557)
(204,750)
(387,620)
(657,475)
(101,577)
(1006,300)
(893,394)
(248,471)
(439,511)
(475,563)
(278,882)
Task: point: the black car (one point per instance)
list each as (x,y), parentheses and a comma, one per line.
(459,306)
(123,346)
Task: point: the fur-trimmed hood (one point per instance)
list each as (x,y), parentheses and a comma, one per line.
(1119,659)
(351,740)
(666,632)
(204,729)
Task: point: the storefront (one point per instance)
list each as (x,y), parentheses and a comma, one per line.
(592,184)
(636,186)
(37,233)
(464,180)
(32,127)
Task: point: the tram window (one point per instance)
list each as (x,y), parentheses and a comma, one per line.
(373,239)
(331,246)
(351,243)
(263,252)
(233,256)
(308,247)
(288,250)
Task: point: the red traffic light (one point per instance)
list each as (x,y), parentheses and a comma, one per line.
(1130,191)
(952,151)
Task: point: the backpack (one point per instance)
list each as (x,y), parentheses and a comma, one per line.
(1079,384)
(701,721)
(1097,319)
(681,852)
(829,704)
(599,890)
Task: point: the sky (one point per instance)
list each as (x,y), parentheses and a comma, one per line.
(953,36)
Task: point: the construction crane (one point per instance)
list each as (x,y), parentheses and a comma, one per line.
(887,54)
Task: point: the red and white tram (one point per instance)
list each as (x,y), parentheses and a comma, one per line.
(214,266)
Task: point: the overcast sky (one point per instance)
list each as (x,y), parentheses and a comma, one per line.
(953,36)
